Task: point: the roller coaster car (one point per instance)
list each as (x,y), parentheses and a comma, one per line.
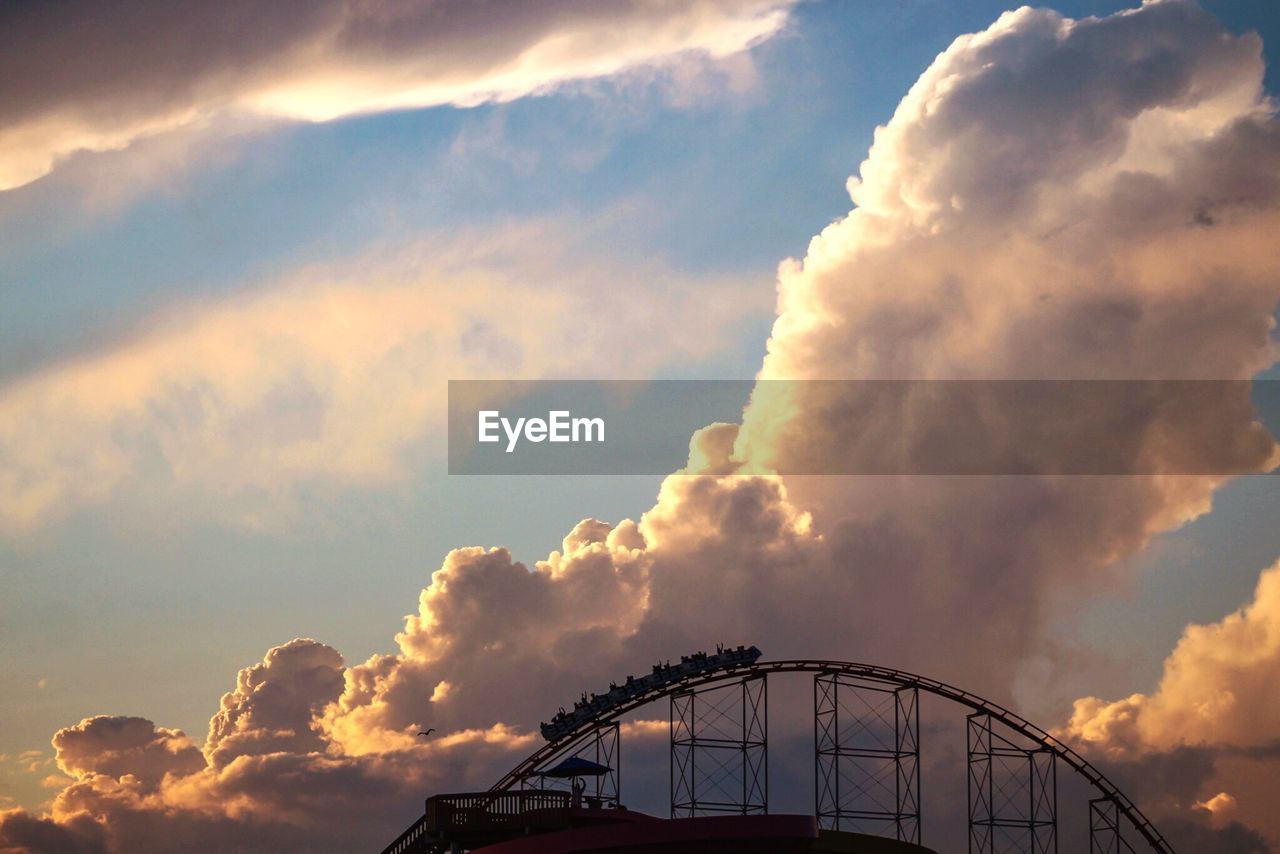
(696,664)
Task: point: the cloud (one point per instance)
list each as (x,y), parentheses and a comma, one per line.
(21,832)
(101,81)
(1216,700)
(337,374)
(1174,788)
(1036,208)
(484,613)
(267,776)
(275,702)
(1217,687)
(119,746)
(1221,806)
(1053,198)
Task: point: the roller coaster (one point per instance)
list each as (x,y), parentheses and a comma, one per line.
(590,708)
(866,730)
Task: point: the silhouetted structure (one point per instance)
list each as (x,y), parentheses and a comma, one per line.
(662,675)
(866,773)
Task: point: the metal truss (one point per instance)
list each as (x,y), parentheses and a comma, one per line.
(733,673)
(1105,836)
(601,744)
(1013,793)
(720,749)
(867,756)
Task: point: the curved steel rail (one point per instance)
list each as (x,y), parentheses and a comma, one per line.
(873,672)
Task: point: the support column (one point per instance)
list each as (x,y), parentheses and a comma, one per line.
(1013,793)
(719,749)
(867,756)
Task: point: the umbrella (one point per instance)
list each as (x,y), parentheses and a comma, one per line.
(576,766)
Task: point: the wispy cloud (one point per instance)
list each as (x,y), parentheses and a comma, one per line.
(337,373)
(101,80)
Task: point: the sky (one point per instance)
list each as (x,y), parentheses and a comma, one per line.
(242,251)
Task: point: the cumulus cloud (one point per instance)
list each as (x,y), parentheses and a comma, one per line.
(1218,688)
(119,746)
(100,81)
(1215,700)
(1053,198)
(499,636)
(337,374)
(275,703)
(1012,221)
(269,779)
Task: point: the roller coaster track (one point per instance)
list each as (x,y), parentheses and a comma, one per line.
(886,675)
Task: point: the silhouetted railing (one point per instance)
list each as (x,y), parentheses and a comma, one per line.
(480,813)
(472,812)
(412,839)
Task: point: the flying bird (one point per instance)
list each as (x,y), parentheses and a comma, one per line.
(428,732)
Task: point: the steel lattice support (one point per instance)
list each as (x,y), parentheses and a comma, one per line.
(699,672)
(867,756)
(1013,793)
(1105,836)
(720,749)
(601,744)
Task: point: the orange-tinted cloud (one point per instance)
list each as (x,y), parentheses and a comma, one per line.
(337,374)
(100,81)
(270,779)
(1218,688)
(119,746)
